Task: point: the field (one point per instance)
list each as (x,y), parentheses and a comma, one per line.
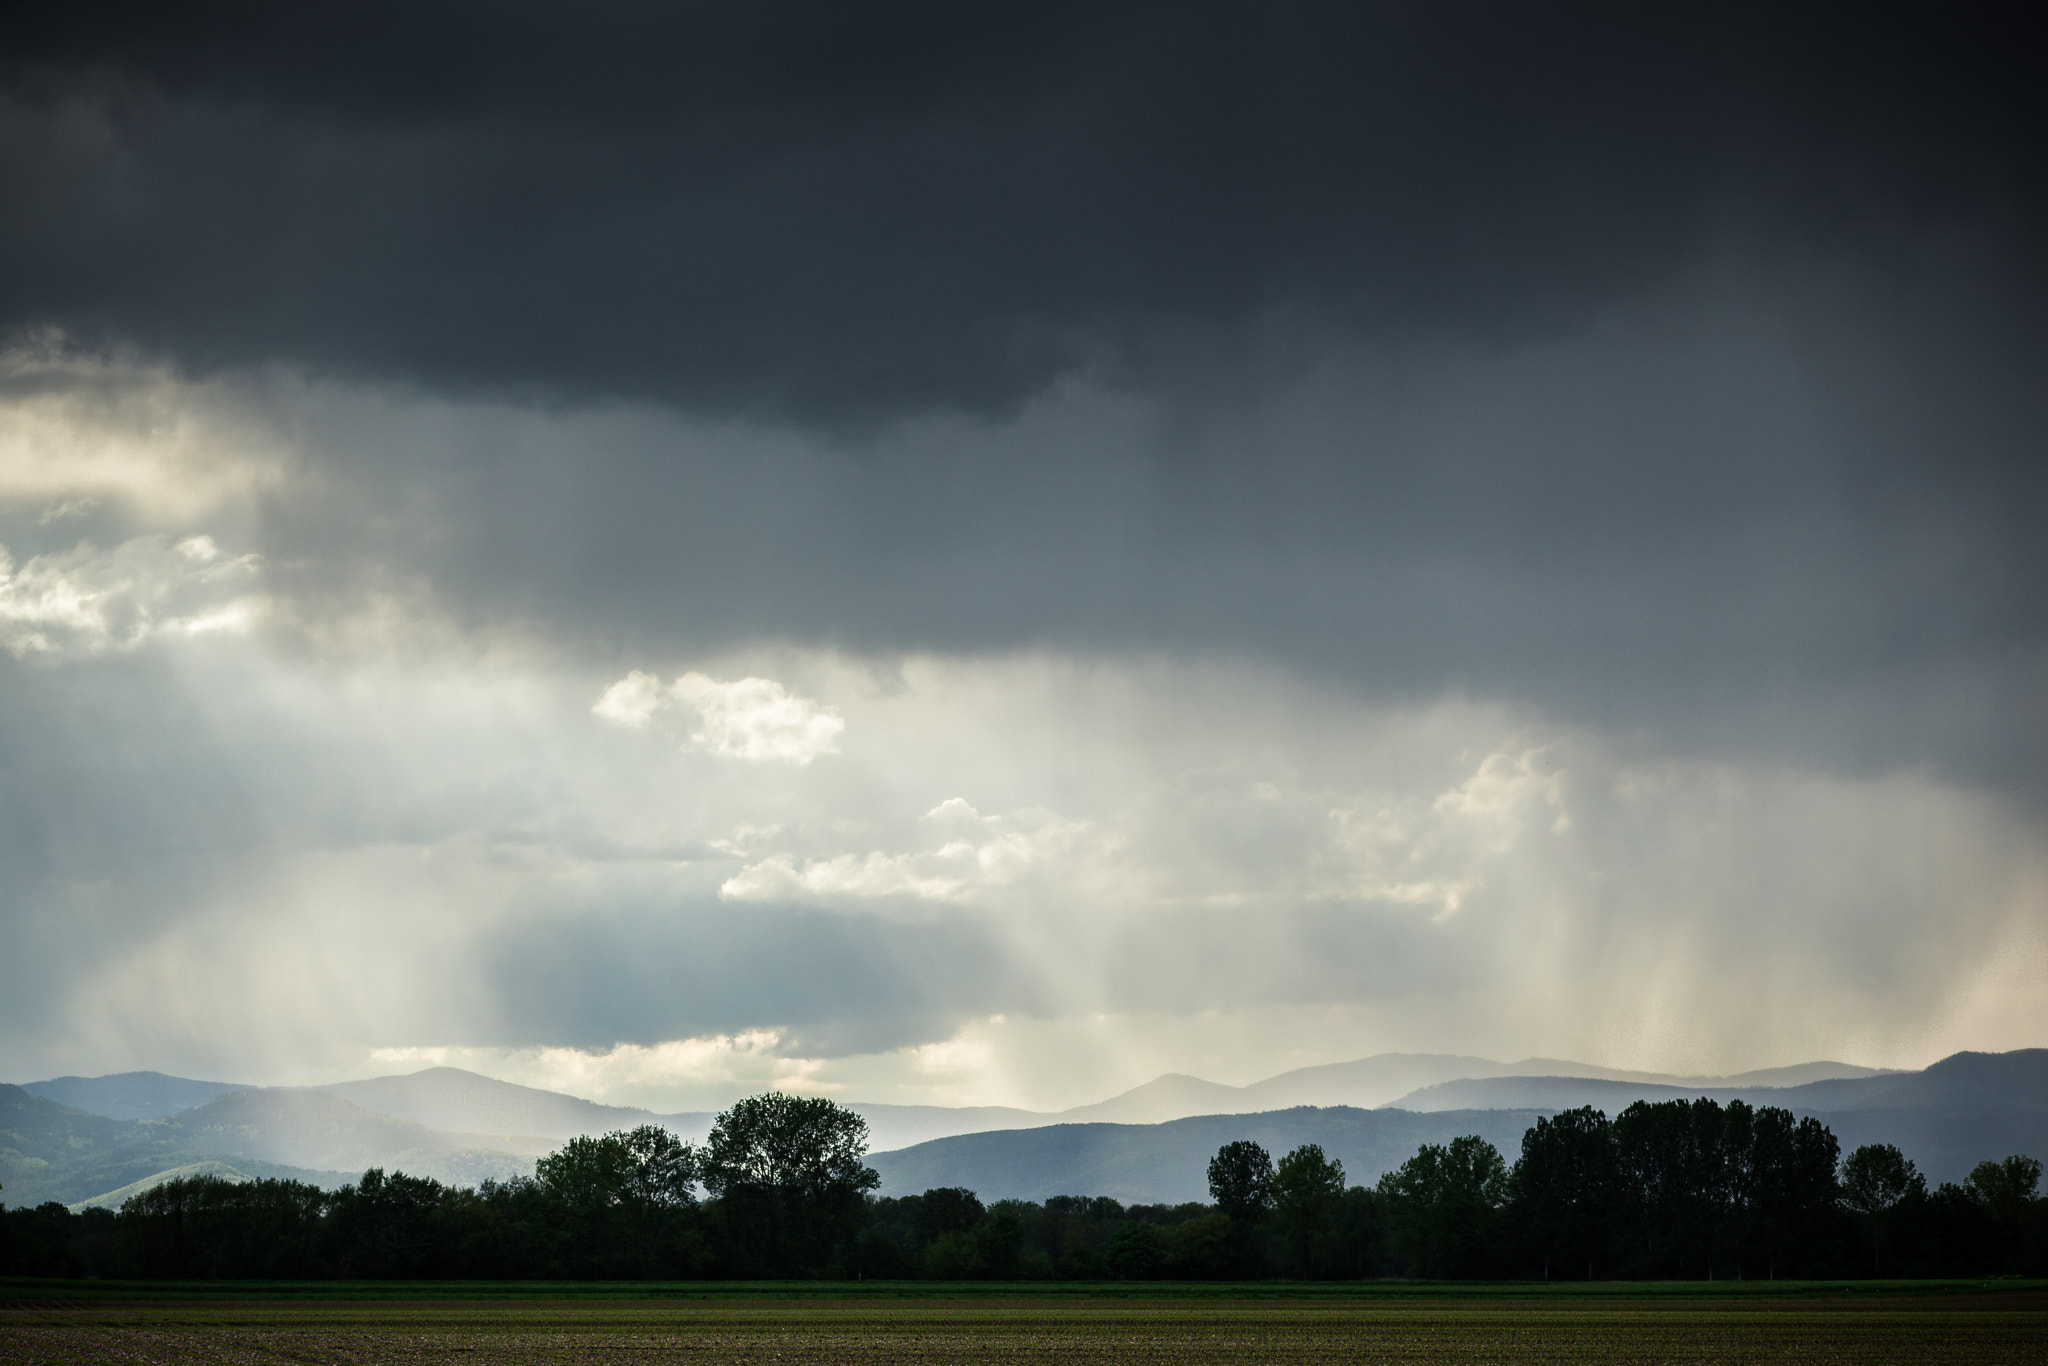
(1828,1324)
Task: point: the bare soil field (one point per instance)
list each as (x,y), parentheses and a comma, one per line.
(956,1331)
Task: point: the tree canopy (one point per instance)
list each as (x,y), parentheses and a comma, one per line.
(1690,1189)
(789,1175)
(1241,1179)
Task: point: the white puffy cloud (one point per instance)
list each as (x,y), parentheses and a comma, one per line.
(757,718)
(965,855)
(631,701)
(749,718)
(88,601)
(1419,851)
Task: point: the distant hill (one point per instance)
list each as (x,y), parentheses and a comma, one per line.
(451,1099)
(1960,1111)
(1957,1113)
(130,1095)
(1173,1096)
(114,1199)
(317,1129)
(52,1152)
(1389,1077)
(1983,1081)
(1168,1163)
(1802,1073)
(2015,1080)
(1944,1143)
(900,1126)
(1546,1093)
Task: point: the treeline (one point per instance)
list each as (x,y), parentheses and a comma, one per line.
(1676,1189)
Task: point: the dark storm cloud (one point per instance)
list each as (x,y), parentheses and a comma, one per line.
(1669,367)
(864,210)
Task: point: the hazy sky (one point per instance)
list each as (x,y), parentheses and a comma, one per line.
(979,554)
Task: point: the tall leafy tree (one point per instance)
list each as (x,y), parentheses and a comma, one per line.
(383,1226)
(1307,1189)
(789,1176)
(947,1209)
(625,1197)
(1562,1188)
(2005,1191)
(1791,1195)
(1672,1160)
(1241,1184)
(205,1227)
(1241,1179)
(1444,1205)
(1704,1188)
(1876,1180)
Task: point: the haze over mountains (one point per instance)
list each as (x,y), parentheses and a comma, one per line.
(98,1140)
(131,1095)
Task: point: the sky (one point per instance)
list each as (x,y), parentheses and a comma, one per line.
(981,554)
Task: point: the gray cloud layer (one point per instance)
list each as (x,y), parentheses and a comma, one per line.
(1690,356)
(1661,387)
(791,207)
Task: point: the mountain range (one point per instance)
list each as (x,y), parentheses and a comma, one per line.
(97,1140)
(1168,1163)
(1961,1111)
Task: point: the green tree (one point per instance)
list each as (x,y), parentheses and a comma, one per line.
(1877,1176)
(1444,1206)
(1241,1179)
(2005,1187)
(383,1226)
(1876,1180)
(625,1198)
(1360,1234)
(1200,1249)
(947,1209)
(950,1257)
(1672,1161)
(1562,1187)
(1786,1183)
(1137,1252)
(2005,1191)
(1241,1183)
(1306,1189)
(203,1227)
(647,1168)
(788,1174)
(999,1239)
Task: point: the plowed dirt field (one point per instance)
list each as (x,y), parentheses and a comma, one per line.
(798,1332)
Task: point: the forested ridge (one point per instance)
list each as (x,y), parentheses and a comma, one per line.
(1673,1189)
